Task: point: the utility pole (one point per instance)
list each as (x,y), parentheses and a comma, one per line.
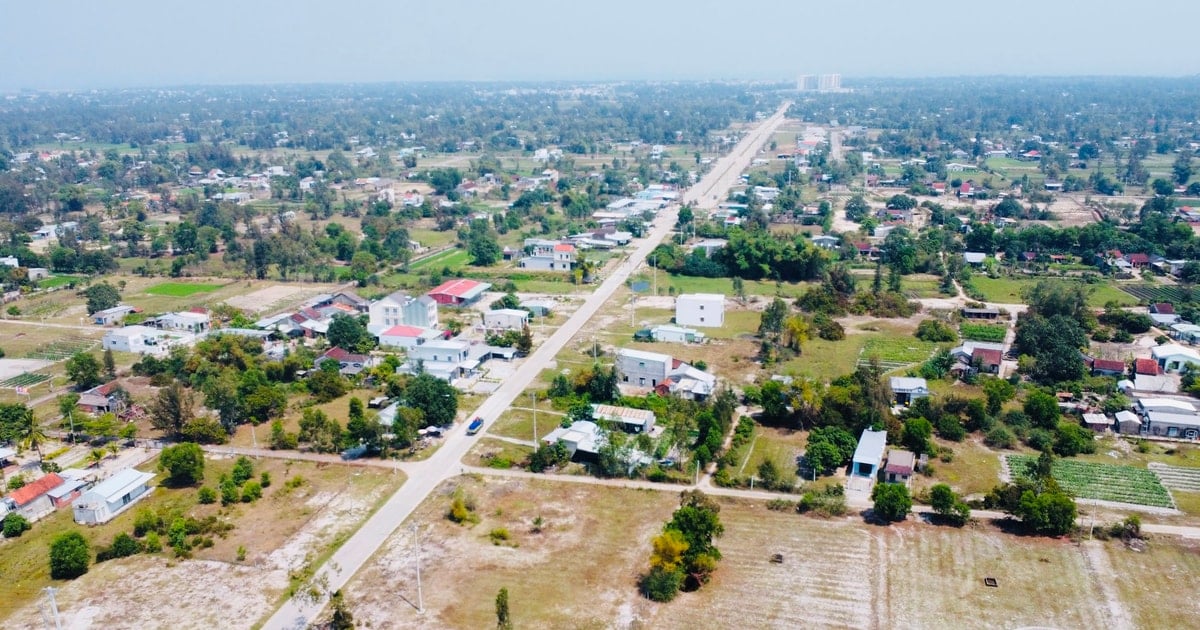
(50,592)
(533,401)
(420,599)
(654,268)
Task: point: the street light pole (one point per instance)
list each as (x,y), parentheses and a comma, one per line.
(533,401)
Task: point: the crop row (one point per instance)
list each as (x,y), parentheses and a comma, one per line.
(983,332)
(1105,482)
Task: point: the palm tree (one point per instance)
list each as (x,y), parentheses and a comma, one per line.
(32,435)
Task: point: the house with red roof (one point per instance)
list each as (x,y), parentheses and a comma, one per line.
(1140,261)
(349,363)
(406,337)
(1163,308)
(1148,367)
(547,255)
(32,500)
(938,188)
(1108,367)
(459,291)
(987,360)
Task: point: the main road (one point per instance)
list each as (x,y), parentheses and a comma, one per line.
(424,476)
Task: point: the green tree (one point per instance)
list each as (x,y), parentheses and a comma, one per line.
(823,457)
(892,502)
(172,409)
(110,364)
(917,434)
(183,463)
(243,470)
(435,397)
(482,245)
(100,297)
(1181,170)
(503,617)
(998,392)
(1042,409)
(771,322)
(84,370)
(15,525)
(1072,439)
(1051,512)
(340,618)
(348,333)
(947,505)
(69,556)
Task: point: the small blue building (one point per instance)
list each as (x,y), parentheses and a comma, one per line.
(868,457)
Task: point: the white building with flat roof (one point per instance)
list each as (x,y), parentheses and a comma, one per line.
(112,496)
(700,309)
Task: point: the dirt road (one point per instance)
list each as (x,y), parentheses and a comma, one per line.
(425,476)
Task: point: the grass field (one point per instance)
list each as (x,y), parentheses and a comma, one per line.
(826,360)
(453,258)
(692,284)
(181,289)
(921,287)
(57,281)
(1008,290)
(896,351)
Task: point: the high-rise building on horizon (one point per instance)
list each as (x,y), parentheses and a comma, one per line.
(819,83)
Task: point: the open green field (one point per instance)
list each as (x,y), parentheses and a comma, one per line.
(693,284)
(453,258)
(781,446)
(896,351)
(1087,480)
(181,289)
(57,281)
(921,287)
(983,332)
(1008,290)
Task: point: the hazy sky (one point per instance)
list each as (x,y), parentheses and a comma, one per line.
(138,43)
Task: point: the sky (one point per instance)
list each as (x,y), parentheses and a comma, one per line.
(78,44)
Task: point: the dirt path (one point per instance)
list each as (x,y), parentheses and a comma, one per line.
(1102,570)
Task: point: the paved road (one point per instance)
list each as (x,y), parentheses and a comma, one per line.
(425,476)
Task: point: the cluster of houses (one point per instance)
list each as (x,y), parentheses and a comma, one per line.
(94,501)
(650,200)
(663,374)
(873,460)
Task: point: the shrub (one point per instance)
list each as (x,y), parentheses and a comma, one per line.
(69,556)
(892,502)
(251,492)
(243,470)
(229,492)
(123,545)
(152,544)
(146,521)
(780,505)
(661,584)
(935,331)
(241,553)
(499,535)
(462,509)
(15,525)
(206,495)
(1000,437)
(264,479)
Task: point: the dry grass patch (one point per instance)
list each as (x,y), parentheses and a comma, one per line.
(975,468)
(1152,583)
(579,572)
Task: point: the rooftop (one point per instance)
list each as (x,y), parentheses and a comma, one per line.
(121,483)
(908,383)
(870,446)
(461,288)
(27,493)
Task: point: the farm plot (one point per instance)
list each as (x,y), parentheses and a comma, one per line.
(984,332)
(24,380)
(1177,477)
(1105,482)
(61,349)
(181,289)
(1152,293)
(895,352)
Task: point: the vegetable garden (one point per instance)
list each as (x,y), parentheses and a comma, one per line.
(1105,482)
(61,349)
(1152,293)
(984,332)
(25,379)
(896,351)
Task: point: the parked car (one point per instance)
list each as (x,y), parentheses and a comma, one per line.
(475,426)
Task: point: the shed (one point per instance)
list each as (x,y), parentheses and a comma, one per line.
(630,419)
(869,454)
(112,496)
(1128,423)
(1097,422)
(906,389)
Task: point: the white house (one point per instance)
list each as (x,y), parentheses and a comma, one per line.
(869,454)
(539,307)
(406,337)
(506,319)
(443,358)
(826,241)
(142,340)
(907,389)
(676,334)
(581,437)
(402,309)
(1174,357)
(643,369)
(628,418)
(548,255)
(700,309)
(113,315)
(186,320)
(10,261)
(112,496)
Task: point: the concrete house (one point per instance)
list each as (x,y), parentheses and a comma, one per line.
(1173,425)
(907,389)
(406,337)
(110,316)
(141,340)
(547,255)
(186,321)
(676,334)
(112,496)
(32,500)
(506,319)
(900,466)
(1174,357)
(700,309)
(348,362)
(583,438)
(401,309)
(643,369)
(629,419)
(446,359)
(1128,423)
(868,457)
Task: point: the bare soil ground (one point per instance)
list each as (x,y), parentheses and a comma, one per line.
(271,297)
(283,533)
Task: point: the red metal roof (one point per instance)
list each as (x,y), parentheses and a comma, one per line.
(26,495)
(564,247)
(1146,366)
(1138,259)
(987,356)
(1164,308)
(1108,365)
(457,287)
(402,331)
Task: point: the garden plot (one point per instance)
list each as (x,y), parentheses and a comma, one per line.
(62,349)
(1177,477)
(993,333)
(1152,293)
(19,369)
(1104,482)
(896,352)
